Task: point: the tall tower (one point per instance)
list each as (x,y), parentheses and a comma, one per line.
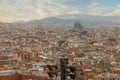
(77,26)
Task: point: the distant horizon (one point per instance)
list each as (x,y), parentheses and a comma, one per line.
(57,17)
(26,10)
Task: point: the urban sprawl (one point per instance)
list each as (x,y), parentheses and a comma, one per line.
(91,53)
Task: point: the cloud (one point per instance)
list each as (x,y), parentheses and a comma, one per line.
(29,9)
(95,9)
(73,12)
(56,9)
(8,12)
(115,12)
(15,10)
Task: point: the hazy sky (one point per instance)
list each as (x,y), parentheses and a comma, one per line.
(16,10)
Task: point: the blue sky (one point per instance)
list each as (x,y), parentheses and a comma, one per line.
(16,10)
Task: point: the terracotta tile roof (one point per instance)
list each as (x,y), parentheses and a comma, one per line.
(78,67)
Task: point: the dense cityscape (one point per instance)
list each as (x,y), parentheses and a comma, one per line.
(93,53)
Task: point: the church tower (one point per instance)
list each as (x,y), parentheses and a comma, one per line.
(77,26)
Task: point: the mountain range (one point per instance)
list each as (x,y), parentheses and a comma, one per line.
(69,19)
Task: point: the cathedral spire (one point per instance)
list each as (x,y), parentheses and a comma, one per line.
(77,25)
